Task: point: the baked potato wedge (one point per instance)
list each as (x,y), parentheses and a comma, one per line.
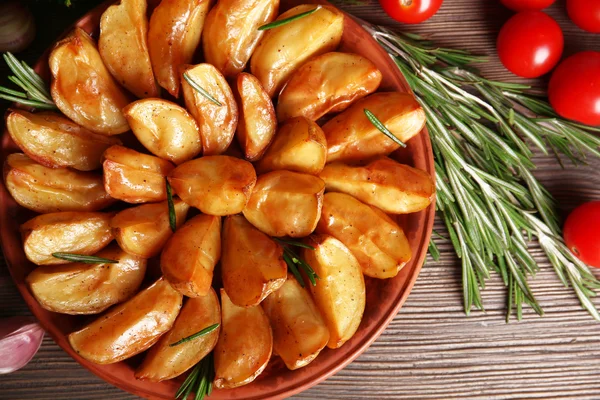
(299,145)
(46,190)
(257,124)
(173,36)
(134,177)
(252,264)
(83,89)
(123,46)
(217,121)
(377,242)
(190,255)
(299,331)
(54,141)
(216,185)
(79,288)
(286,203)
(340,292)
(245,344)
(384,183)
(65,232)
(131,327)
(325,84)
(352,137)
(143,230)
(231,32)
(166,129)
(165,361)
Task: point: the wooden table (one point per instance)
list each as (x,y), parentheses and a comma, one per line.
(432,350)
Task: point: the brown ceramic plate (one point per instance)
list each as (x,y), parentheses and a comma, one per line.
(384,297)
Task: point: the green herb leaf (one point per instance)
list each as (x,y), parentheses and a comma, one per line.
(200,89)
(196,335)
(276,24)
(34,91)
(83,258)
(172,214)
(199,380)
(293,243)
(379,125)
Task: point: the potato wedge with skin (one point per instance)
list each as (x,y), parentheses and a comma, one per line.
(286,203)
(328,83)
(54,141)
(217,123)
(166,129)
(124,48)
(190,255)
(46,190)
(299,145)
(166,362)
(258,124)
(244,347)
(252,264)
(173,36)
(79,288)
(299,331)
(144,230)
(83,89)
(134,177)
(384,183)
(131,327)
(340,292)
(216,185)
(231,32)
(70,232)
(280,52)
(377,242)
(352,137)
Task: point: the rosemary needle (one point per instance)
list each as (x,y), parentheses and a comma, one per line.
(200,89)
(83,258)
(196,335)
(276,24)
(379,125)
(35,93)
(172,214)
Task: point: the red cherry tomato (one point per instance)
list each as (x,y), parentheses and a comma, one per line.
(411,11)
(530,44)
(574,89)
(527,5)
(585,14)
(582,233)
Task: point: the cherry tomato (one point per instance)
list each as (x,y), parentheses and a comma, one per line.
(530,44)
(574,89)
(527,5)
(585,14)
(411,11)
(582,233)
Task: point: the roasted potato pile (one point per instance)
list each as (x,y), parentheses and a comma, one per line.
(289,185)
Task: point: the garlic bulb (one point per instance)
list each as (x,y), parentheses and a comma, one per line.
(17,26)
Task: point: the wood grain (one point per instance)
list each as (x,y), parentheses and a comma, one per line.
(431,350)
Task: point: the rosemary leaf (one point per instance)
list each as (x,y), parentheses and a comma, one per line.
(276,24)
(34,91)
(196,335)
(293,243)
(379,125)
(83,258)
(172,214)
(200,89)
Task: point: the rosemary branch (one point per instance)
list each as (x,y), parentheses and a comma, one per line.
(199,380)
(34,90)
(295,262)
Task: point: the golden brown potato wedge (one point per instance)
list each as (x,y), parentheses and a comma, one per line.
(79,288)
(217,122)
(190,255)
(377,242)
(299,331)
(54,141)
(166,129)
(70,232)
(173,36)
(135,177)
(299,145)
(384,183)
(245,344)
(217,185)
(286,203)
(280,52)
(352,137)
(124,48)
(252,264)
(144,230)
(340,292)
(231,32)
(83,89)
(45,190)
(165,361)
(131,327)
(327,83)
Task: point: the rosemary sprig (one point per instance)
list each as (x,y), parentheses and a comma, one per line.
(276,24)
(199,380)
(200,89)
(83,258)
(382,128)
(196,335)
(172,214)
(295,262)
(34,91)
